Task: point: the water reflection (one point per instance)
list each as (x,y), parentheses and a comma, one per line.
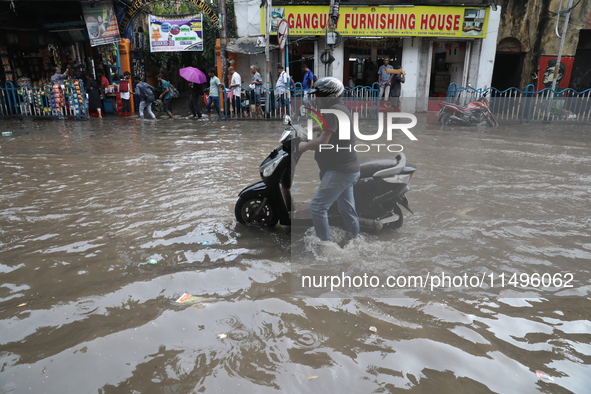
(87,205)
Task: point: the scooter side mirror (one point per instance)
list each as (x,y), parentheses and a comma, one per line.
(287,120)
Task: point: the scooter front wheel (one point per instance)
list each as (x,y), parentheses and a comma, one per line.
(491,121)
(444,120)
(255,211)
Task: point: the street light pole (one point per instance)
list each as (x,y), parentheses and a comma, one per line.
(559,57)
(268,5)
(223,35)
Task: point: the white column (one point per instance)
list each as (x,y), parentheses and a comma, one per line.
(339,63)
(412,65)
(488,51)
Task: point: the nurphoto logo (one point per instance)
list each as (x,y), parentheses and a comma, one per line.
(392,123)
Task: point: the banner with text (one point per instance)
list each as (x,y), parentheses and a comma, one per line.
(383,21)
(173,34)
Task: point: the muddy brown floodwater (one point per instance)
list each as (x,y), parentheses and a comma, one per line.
(105,224)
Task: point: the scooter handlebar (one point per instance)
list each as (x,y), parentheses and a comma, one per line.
(300,133)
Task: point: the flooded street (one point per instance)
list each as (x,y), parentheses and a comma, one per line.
(104,224)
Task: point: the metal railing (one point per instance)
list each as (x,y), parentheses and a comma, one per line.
(361,99)
(55,101)
(529,105)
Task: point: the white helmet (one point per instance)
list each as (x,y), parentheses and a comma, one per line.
(328,87)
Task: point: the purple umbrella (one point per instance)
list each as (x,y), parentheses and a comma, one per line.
(193,74)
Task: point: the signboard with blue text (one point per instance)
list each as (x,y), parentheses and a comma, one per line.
(174,34)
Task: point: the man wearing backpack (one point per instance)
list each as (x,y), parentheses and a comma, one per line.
(166,95)
(145,93)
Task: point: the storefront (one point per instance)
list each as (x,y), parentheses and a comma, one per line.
(38,36)
(435,45)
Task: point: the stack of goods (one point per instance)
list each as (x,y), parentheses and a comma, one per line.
(75,97)
(38,102)
(26,99)
(6,64)
(57,100)
(46,99)
(108,53)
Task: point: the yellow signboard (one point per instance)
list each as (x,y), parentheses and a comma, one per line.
(424,21)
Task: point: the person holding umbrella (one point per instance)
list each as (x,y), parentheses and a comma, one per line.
(197,79)
(196,94)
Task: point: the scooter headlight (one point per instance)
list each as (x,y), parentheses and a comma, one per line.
(271,166)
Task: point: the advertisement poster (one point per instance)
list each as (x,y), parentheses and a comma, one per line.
(101,24)
(546,72)
(173,34)
(426,21)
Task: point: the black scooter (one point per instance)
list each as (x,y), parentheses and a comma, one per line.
(379,193)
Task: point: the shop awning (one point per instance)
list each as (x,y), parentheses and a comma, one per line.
(248,45)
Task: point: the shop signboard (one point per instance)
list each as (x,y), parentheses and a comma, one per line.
(173,34)
(372,21)
(101,23)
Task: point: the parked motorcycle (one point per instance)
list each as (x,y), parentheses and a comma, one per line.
(472,114)
(379,193)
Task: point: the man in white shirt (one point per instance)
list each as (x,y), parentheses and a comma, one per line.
(385,78)
(236,86)
(281,90)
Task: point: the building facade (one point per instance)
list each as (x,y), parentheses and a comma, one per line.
(435,45)
(529,41)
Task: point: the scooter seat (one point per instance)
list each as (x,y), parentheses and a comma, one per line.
(368,169)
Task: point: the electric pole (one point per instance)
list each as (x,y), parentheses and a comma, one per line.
(223,35)
(559,57)
(268,5)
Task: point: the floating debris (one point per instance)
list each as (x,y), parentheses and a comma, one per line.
(373,329)
(222,336)
(187,298)
(153,261)
(543,375)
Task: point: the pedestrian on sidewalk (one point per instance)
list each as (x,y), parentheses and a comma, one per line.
(255,85)
(125,94)
(214,94)
(236,86)
(385,78)
(281,91)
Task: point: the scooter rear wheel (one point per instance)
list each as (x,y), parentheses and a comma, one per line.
(398,223)
(254,211)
